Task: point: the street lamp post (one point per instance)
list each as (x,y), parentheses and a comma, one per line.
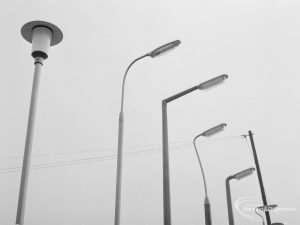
(156,52)
(207,133)
(166,172)
(237,176)
(42,35)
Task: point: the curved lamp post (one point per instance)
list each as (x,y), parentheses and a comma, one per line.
(166,171)
(207,133)
(237,176)
(156,52)
(42,35)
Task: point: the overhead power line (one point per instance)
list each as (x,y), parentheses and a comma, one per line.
(211,141)
(155,149)
(82,161)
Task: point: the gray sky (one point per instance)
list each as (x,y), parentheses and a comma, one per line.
(255,42)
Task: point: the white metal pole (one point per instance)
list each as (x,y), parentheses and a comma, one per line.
(119,168)
(42,35)
(166,168)
(165,155)
(162,49)
(28,143)
(120,147)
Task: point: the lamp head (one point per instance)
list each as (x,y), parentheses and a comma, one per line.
(243,174)
(213,82)
(42,35)
(214,130)
(165,48)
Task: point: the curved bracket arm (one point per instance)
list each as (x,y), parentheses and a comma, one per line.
(202,170)
(124,78)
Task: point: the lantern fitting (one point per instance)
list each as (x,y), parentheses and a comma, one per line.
(42,35)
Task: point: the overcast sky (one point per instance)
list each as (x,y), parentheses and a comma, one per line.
(256,42)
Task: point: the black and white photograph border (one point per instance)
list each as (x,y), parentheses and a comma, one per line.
(149,112)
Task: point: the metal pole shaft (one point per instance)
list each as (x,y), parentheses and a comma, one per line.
(119,168)
(262,189)
(120,146)
(166,172)
(229,202)
(207,211)
(28,143)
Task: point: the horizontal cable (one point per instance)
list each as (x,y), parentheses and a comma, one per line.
(113,148)
(109,157)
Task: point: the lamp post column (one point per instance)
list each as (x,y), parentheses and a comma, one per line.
(120,147)
(119,168)
(229,201)
(261,184)
(207,133)
(156,52)
(166,170)
(42,35)
(28,143)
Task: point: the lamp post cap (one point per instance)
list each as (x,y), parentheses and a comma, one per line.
(27,31)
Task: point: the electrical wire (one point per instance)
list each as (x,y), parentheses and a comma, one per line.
(81,161)
(78,152)
(248,144)
(110,157)
(113,148)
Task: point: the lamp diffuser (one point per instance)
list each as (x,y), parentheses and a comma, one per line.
(243,174)
(165,48)
(214,130)
(213,82)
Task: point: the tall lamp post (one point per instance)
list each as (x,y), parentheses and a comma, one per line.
(237,176)
(166,173)
(42,35)
(261,184)
(156,52)
(207,133)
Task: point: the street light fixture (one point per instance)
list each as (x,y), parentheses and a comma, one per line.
(213,82)
(156,52)
(42,35)
(213,131)
(238,176)
(166,170)
(164,48)
(207,133)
